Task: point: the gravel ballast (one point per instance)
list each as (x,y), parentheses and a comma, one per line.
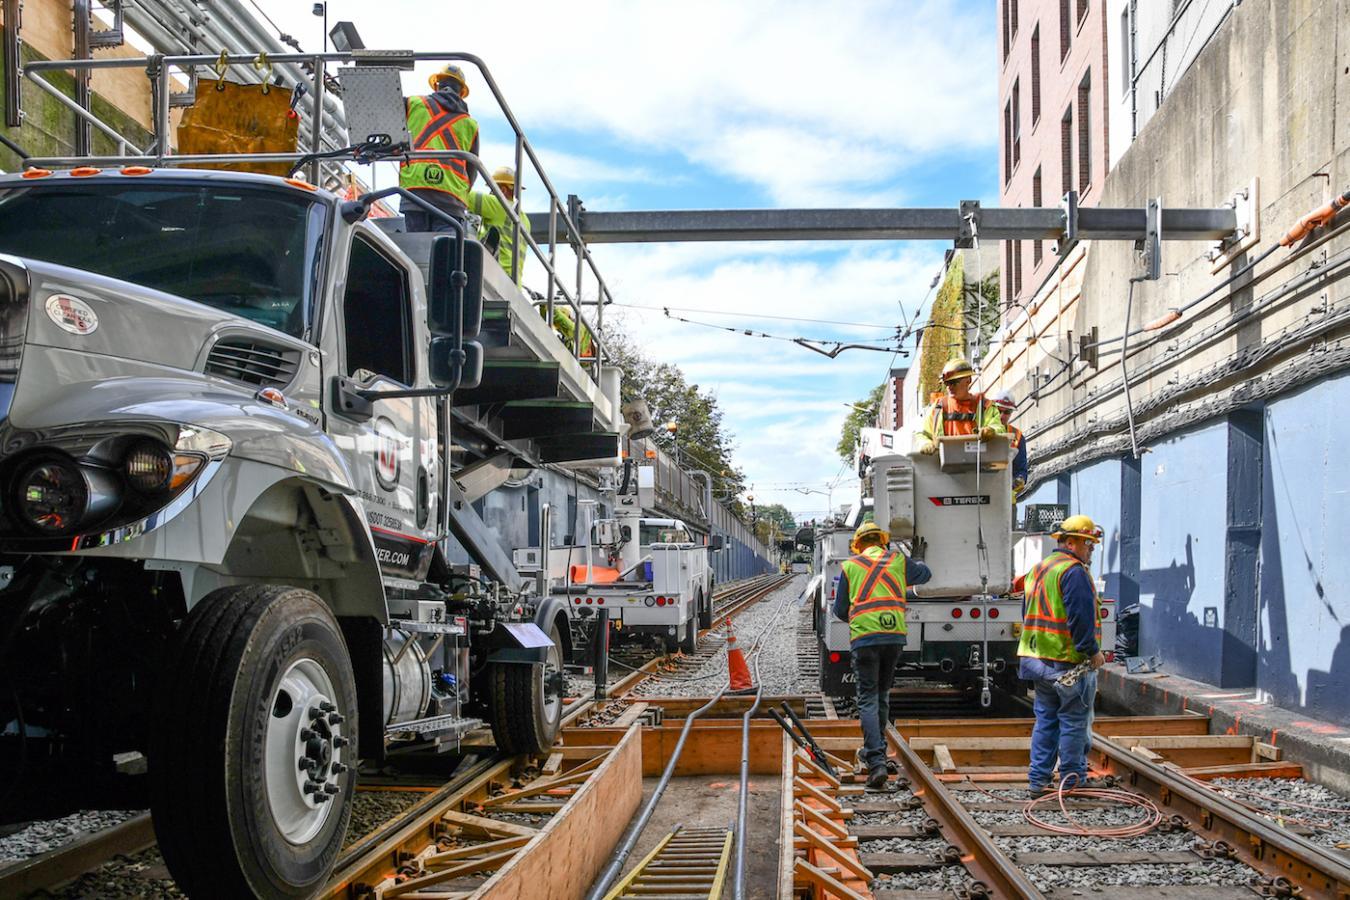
(40,837)
(946,878)
(1330,823)
(371,809)
(1093,878)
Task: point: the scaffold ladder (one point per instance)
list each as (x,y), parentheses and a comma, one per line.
(687,864)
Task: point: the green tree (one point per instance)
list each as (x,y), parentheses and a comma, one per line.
(862,415)
(777,512)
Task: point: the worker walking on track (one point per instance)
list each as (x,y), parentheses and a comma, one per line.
(1061,628)
(439,121)
(1005,404)
(870,596)
(958,411)
(498,232)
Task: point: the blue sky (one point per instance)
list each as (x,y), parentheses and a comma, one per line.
(737,105)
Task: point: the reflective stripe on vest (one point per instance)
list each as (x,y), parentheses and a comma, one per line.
(433,128)
(1045,624)
(876,590)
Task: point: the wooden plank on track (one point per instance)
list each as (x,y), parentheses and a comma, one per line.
(1021,727)
(942,758)
(573,846)
(482,825)
(786,855)
(828,884)
(553,764)
(631,715)
(1247,770)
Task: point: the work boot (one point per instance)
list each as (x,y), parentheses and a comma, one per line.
(876,779)
(1038,791)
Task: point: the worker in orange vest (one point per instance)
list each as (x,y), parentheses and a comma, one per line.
(440,121)
(1005,404)
(958,411)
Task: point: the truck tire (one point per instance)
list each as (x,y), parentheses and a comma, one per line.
(705,609)
(689,644)
(526,702)
(252,668)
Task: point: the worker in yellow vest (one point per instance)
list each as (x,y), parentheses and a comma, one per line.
(870,596)
(498,232)
(1061,628)
(439,121)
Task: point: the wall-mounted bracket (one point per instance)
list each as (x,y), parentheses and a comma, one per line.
(1246,204)
(1070,236)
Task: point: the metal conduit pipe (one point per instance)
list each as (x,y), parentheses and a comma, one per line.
(83,113)
(635,829)
(742,795)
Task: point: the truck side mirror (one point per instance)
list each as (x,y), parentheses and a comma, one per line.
(441,311)
(716,542)
(442,372)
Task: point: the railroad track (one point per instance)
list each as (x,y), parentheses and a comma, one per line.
(958,824)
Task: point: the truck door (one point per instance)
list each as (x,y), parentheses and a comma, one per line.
(392,453)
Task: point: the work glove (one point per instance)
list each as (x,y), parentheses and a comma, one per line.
(917,548)
(928,448)
(1019,485)
(986,432)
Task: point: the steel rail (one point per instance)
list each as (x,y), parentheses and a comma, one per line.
(1257,842)
(81,855)
(980,855)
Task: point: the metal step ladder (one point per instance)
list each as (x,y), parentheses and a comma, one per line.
(688,864)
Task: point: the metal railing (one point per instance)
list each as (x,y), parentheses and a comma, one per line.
(561,214)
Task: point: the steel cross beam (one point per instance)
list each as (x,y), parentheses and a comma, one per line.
(937,224)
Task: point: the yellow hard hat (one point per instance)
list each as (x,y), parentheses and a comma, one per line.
(452,72)
(1077,526)
(956,369)
(505,175)
(869,530)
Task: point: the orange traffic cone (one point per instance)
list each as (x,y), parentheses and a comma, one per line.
(737,670)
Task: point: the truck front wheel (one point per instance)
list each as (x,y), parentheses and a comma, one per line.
(526,701)
(705,611)
(253,754)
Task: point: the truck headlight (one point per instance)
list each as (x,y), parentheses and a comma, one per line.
(153,468)
(54,496)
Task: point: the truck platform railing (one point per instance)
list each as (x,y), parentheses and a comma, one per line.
(562,214)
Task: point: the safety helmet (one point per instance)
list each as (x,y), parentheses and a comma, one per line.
(956,369)
(504,175)
(1077,526)
(452,72)
(1004,400)
(869,531)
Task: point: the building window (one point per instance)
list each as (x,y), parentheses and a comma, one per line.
(1007,274)
(1065,28)
(1012,18)
(1017,269)
(1126,52)
(1007,143)
(1017,122)
(1036,202)
(1066,151)
(1035,76)
(1082,9)
(1084,133)
(1007,42)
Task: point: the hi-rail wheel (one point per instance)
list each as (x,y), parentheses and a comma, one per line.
(705,611)
(689,643)
(526,701)
(252,757)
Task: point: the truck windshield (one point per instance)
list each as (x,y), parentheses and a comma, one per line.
(253,252)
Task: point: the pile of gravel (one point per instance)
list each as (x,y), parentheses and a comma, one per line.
(1222,872)
(48,834)
(777,654)
(1330,822)
(945,878)
(372,809)
(141,875)
(1153,842)
(925,845)
(862,817)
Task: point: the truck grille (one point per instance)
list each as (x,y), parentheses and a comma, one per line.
(253,363)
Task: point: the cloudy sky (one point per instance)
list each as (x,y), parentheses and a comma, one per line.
(736,105)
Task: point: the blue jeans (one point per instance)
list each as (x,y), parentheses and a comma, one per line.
(417,219)
(1063,728)
(874,667)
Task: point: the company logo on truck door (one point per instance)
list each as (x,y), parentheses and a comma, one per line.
(71,314)
(969,500)
(388,446)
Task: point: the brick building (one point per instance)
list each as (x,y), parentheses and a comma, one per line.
(1053,125)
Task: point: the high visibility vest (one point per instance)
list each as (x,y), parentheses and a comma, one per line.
(947,417)
(434,128)
(1045,625)
(490,210)
(876,591)
(1017,438)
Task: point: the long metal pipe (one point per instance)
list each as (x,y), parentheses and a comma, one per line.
(83,113)
(638,825)
(742,795)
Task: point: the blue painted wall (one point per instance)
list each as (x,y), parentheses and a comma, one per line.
(1183,515)
(1304,625)
(1094,490)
